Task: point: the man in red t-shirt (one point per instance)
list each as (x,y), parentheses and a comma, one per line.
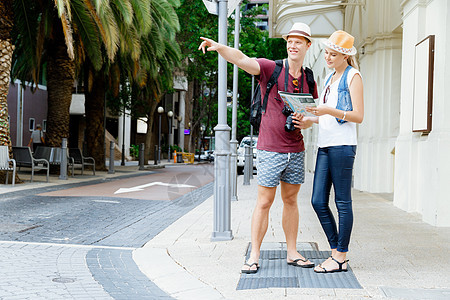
(280,153)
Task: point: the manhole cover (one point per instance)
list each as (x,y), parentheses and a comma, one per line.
(63,280)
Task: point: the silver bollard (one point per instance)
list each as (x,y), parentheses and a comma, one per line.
(141,156)
(156,154)
(111,158)
(251,162)
(63,160)
(168,155)
(247,167)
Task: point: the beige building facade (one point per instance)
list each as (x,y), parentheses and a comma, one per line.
(391,157)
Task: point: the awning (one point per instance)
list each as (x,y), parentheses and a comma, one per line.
(324,17)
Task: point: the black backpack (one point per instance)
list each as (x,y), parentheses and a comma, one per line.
(258,107)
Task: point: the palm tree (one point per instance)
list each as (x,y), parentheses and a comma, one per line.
(6,53)
(161,55)
(67,33)
(133,20)
(146,70)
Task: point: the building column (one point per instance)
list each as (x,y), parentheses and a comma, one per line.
(380,69)
(422,160)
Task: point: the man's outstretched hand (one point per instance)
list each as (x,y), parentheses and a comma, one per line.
(208,45)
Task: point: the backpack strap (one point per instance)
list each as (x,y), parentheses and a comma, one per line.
(286,75)
(273,79)
(310,80)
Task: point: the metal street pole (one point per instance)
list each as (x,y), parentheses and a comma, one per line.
(234,142)
(123,138)
(160,111)
(170,115)
(222,200)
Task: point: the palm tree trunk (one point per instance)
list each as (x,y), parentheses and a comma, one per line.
(6,52)
(60,79)
(95,113)
(149,146)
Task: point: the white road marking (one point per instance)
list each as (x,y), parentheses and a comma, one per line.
(141,187)
(106,201)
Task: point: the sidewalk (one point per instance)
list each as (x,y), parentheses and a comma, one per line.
(392,253)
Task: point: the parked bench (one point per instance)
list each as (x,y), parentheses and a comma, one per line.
(53,155)
(80,160)
(24,158)
(7,164)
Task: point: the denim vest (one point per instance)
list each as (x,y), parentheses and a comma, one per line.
(344,101)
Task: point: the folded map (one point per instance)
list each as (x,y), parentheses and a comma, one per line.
(298,102)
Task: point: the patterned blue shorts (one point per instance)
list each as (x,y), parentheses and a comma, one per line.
(275,166)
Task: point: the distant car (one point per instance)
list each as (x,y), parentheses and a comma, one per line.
(241,153)
(207,155)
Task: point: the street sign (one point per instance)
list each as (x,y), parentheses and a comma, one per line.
(213,7)
(232,4)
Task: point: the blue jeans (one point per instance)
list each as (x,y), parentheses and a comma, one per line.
(334,166)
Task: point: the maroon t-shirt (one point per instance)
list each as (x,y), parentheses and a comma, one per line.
(272,136)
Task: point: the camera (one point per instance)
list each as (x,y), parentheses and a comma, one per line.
(288,126)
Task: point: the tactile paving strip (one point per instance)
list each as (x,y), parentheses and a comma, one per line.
(275,272)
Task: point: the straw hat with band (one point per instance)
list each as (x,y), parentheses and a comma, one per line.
(341,42)
(299,29)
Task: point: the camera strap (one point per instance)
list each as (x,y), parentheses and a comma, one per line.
(286,77)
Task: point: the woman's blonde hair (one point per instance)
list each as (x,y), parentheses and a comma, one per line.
(351,60)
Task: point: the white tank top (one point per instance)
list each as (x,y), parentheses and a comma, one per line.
(331,133)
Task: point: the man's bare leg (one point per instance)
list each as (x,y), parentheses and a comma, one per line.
(260,221)
(289,194)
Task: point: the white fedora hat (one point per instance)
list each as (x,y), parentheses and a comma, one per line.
(299,29)
(341,42)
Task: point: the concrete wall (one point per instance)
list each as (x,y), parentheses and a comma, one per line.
(422,162)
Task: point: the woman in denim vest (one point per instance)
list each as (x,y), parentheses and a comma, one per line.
(340,108)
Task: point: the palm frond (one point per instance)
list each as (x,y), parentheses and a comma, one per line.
(174,3)
(68,35)
(25,64)
(123,10)
(100,4)
(107,27)
(88,31)
(164,12)
(63,7)
(142,15)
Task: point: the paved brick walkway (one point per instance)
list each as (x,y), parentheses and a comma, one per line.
(117,273)
(46,271)
(57,247)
